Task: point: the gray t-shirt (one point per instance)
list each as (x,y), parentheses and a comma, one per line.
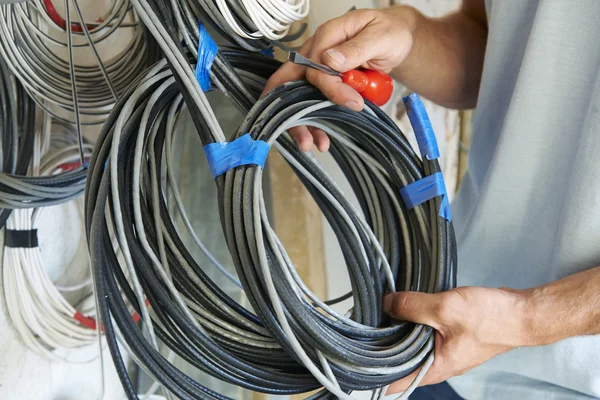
(528,212)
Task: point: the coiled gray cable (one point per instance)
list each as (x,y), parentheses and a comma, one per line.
(294,343)
(31,44)
(356,353)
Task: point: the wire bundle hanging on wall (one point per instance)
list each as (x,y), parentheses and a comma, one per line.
(33,38)
(257,19)
(43,317)
(17,127)
(249,24)
(294,343)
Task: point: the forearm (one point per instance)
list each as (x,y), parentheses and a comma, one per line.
(446,60)
(564,308)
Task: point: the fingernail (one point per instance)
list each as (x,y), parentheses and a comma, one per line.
(387,303)
(336,56)
(353,105)
(297,140)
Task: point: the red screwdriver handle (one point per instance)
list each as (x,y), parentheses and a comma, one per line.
(356,79)
(374,86)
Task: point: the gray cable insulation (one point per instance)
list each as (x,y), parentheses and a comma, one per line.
(235,183)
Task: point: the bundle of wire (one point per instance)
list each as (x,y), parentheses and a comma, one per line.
(293,342)
(270,19)
(33,38)
(248,24)
(20,191)
(44,319)
(17,127)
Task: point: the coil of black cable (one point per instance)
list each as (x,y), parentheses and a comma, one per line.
(17,128)
(292,342)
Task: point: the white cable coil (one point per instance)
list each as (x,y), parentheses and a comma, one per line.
(49,55)
(37,307)
(273,18)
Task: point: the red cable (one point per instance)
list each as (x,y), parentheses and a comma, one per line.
(60,21)
(70,166)
(90,322)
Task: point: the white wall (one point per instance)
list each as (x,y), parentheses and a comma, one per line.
(322,11)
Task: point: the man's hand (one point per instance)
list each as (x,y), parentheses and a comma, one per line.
(441,58)
(472,325)
(373,39)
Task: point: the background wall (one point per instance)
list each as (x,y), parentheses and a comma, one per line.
(23,374)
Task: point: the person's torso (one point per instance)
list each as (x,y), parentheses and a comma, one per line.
(528,211)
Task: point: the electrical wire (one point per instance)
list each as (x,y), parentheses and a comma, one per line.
(250,24)
(294,343)
(272,18)
(17,127)
(33,39)
(44,319)
(65,182)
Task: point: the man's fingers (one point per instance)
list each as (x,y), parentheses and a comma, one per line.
(338,31)
(336,90)
(403,384)
(320,138)
(305,137)
(421,308)
(286,73)
(289,71)
(365,46)
(302,137)
(434,375)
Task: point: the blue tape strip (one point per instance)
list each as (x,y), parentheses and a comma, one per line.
(426,189)
(207,52)
(422,127)
(224,156)
(270,52)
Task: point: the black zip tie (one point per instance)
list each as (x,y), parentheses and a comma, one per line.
(21,239)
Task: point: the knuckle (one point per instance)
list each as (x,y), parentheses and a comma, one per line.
(314,77)
(319,31)
(322,30)
(440,310)
(370,14)
(354,47)
(446,306)
(401,301)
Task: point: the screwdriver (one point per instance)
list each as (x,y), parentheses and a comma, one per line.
(374,86)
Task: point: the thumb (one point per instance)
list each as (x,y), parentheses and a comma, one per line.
(355,52)
(421,308)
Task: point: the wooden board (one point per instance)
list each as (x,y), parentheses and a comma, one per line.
(466,131)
